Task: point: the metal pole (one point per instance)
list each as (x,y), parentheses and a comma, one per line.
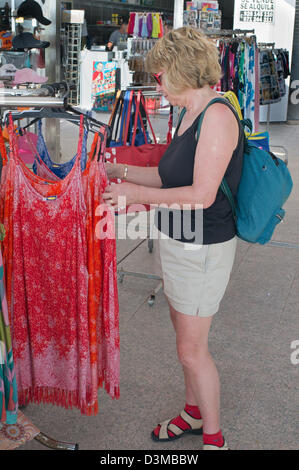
(52,11)
(178,14)
(13,21)
(30,102)
(268,117)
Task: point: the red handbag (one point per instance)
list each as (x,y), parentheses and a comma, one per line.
(147,155)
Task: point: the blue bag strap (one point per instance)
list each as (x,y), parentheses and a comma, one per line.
(124,115)
(136,104)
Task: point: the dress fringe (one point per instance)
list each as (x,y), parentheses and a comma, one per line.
(64,398)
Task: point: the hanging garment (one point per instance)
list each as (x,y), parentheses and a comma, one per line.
(102,298)
(269,92)
(102,284)
(285,59)
(156,25)
(140,26)
(241,74)
(50,333)
(280,72)
(249,104)
(41,169)
(59,169)
(149,23)
(25,150)
(8,384)
(232,56)
(2,148)
(236,79)
(131,23)
(161,32)
(144,31)
(136,25)
(257,89)
(225,69)
(102,288)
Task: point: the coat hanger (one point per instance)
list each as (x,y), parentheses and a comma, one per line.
(68,113)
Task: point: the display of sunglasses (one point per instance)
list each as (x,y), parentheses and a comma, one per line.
(157,78)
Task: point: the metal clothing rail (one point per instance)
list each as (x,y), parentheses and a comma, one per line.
(147,12)
(229,32)
(30,102)
(266,45)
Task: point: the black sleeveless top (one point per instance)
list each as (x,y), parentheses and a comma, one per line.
(214,224)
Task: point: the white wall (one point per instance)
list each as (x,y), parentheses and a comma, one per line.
(281,32)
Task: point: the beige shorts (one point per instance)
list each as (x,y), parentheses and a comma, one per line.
(196,277)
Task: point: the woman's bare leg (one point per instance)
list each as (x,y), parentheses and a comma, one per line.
(201,376)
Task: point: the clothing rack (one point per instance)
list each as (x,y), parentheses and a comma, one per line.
(284,154)
(51,102)
(49,106)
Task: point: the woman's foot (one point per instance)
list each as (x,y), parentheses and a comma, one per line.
(214,441)
(188,421)
(212,447)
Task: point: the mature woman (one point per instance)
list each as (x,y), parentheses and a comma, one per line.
(195,271)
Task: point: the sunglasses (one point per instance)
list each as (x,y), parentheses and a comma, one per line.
(157,78)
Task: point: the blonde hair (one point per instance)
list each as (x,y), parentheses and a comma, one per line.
(189,59)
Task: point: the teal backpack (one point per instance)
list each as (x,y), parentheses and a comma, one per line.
(264,188)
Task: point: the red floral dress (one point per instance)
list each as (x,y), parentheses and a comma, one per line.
(61,283)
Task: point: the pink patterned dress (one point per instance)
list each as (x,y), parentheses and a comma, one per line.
(63,300)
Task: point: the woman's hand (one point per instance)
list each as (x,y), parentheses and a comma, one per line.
(121,195)
(114,170)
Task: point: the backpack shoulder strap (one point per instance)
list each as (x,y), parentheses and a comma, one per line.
(182,114)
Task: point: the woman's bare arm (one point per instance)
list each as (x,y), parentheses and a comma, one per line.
(139,175)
